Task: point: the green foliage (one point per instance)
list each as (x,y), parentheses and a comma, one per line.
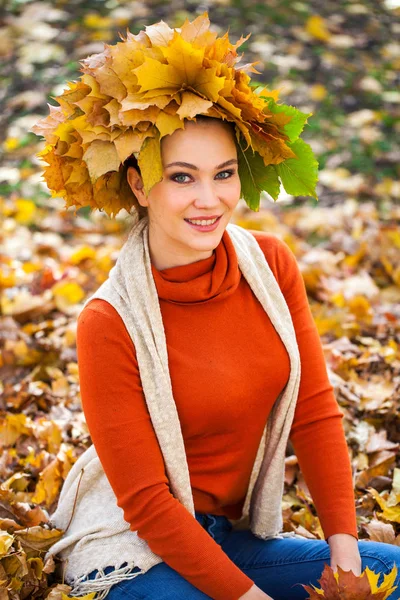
(256,177)
(299,175)
(294,128)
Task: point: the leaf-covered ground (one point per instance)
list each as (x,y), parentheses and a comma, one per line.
(338,60)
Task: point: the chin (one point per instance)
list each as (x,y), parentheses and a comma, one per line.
(210,244)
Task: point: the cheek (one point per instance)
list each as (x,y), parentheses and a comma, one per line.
(234,192)
(175,204)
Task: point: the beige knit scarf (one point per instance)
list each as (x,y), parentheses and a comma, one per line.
(96,533)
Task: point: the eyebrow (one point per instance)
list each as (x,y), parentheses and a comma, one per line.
(189,166)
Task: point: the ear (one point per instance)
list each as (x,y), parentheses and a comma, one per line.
(136,184)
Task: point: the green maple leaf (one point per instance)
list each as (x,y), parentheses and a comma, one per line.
(296,125)
(299,175)
(255,177)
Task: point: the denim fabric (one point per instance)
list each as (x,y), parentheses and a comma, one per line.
(277,566)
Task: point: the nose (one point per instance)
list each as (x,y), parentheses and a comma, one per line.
(207,196)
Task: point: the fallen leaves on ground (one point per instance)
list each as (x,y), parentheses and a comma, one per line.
(42,427)
(337,61)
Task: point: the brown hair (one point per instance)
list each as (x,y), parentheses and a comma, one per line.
(131,161)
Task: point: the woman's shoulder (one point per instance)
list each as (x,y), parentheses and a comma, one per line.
(96,316)
(99,323)
(269,242)
(276,251)
(100,309)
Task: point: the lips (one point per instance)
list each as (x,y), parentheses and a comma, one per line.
(211,217)
(204,228)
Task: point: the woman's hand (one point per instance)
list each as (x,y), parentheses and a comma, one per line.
(345,553)
(255,593)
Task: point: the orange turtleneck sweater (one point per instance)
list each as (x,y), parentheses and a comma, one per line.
(227,367)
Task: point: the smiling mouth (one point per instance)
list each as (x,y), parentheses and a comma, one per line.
(203,222)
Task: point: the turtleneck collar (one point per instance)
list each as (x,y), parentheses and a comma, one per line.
(206,279)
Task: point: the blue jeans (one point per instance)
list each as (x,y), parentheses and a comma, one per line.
(277,566)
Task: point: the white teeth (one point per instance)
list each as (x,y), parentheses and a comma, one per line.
(203,221)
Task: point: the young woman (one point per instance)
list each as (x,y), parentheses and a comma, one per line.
(198,356)
(227,366)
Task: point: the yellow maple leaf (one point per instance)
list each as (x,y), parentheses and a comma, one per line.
(100,158)
(387,583)
(129,142)
(191,104)
(167,124)
(150,163)
(198,32)
(152,75)
(57,172)
(186,58)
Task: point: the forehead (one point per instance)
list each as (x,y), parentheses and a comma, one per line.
(200,141)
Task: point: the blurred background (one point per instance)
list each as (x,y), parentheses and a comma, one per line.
(339,60)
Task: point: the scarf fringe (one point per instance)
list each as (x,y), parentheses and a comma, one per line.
(103,582)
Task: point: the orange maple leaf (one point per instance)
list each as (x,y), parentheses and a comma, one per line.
(345,585)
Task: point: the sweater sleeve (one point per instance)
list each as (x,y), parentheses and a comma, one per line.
(317,432)
(121,430)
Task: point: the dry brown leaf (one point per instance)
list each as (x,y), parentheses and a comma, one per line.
(38,538)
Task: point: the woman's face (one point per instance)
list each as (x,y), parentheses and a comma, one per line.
(203,188)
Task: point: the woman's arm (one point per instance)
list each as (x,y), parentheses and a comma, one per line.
(121,430)
(317,432)
(255,593)
(345,553)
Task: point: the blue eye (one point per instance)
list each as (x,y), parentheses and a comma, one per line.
(174,177)
(230,173)
(178,175)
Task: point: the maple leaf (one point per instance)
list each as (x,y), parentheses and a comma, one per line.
(295,176)
(101,157)
(256,177)
(345,585)
(149,163)
(38,538)
(191,104)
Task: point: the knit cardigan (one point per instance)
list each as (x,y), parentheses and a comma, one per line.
(96,534)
